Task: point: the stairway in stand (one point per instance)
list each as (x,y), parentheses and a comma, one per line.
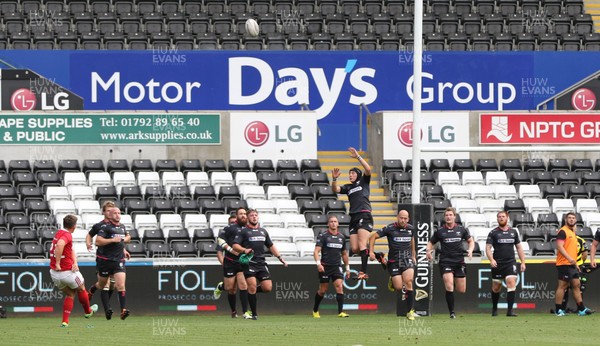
(384,212)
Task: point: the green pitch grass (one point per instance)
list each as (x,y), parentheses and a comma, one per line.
(371,329)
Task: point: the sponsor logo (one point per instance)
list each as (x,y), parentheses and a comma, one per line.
(256,133)
(291,291)
(23,100)
(435,134)
(500,129)
(583,100)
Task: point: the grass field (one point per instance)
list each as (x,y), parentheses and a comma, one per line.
(373,329)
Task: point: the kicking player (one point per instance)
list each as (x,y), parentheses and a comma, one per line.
(361,219)
(331,245)
(566,265)
(503,239)
(252,240)
(401,259)
(233,271)
(65,272)
(452,260)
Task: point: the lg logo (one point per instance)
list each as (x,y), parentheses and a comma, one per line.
(435,134)
(256,133)
(23,100)
(583,100)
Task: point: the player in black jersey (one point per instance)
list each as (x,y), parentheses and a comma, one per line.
(233,271)
(107,291)
(452,260)
(252,240)
(401,258)
(110,257)
(503,239)
(331,245)
(361,220)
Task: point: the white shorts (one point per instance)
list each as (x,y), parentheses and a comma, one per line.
(66,278)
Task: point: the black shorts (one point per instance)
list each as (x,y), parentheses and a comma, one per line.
(231,268)
(567,272)
(331,273)
(458,269)
(106,268)
(258,270)
(503,270)
(361,220)
(399,267)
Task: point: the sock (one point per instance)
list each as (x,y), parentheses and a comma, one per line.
(580,306)
(105,299)
(557,307)
(84,300)
(340,300)
(399,295)
(565,300)
(259,289)
(244,299)
(495,299)
(318,300)
(410,302)
(122,299)
(110,293)
(450,301)
(93,289)
(364,257)
(67,307)
(252,301)
(231,299)
(510,300)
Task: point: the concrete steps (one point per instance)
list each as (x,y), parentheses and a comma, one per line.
(593,7)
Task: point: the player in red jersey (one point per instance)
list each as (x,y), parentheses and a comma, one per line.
(65,272)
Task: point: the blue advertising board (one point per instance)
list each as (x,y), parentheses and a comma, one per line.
(333,84)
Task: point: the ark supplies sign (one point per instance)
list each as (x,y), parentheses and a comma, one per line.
(539,128)
(108,128)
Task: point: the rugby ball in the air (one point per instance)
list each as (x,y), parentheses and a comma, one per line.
(252,27)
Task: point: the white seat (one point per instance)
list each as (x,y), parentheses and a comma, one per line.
(270,220)
(170,221)
(195,221)
(90,220)
(537,206)
(503,192)
(587,206)
(62,207)
(278,192)
(286,206)
(490,205)
(293,221)
(74,178)
(464,206)
(303,235)
(145,179)
(280,234)
(456,191)
(57,193)
(263,206)
(145,222)
(96,179)
(193,179)
(79,236)
(474,220)
(246,178)
(492,219)
(87,207)
(170,179)
(480,191)
(472,178)
(82,252)
(221,179)
(496,178)
(529,191)
(305,249)
(479,233)
(562,206)
(591,220)
(526,249)
(80,192)
(448,178)
(482,246)
(287,249)
(121,179)
(127,221)
(218,221)
(251,191)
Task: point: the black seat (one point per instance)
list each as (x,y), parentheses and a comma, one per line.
(26,236)
(333,206)
(141,165)
(463,165)
(324,192)
(31,193)
(471,23)
(117,166)
(158,250)
(136,206)
(190,165)
(231,205)
(558,165)
(571,42)
(486,165)
(553,191)
(6,237)
(268,178)
(23,179)
(308,206)
(519,178)
(511,205)
(43,166)
(520,218)
(178,235)
(566,178)
(458,42)
(590,178)
(583,23)
(130,192)
(291,178)
(186,206)
(316,220)
(591,41)
(17,221)
(203,235)
(310,165)
(548,219)
(205,192)
(36,207)
(540,248)
(184,249)
(154,191)
(165,166)
(214,166)
(209,207)
(8,193)
(287,166)
(136,250)
(529,232)
(160,206)
(263,166)
(208,249)
(542,178)
(8,251)
(582,165)
(229,192)
(298,192)
(239,166)
(180,192)
(314,178)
